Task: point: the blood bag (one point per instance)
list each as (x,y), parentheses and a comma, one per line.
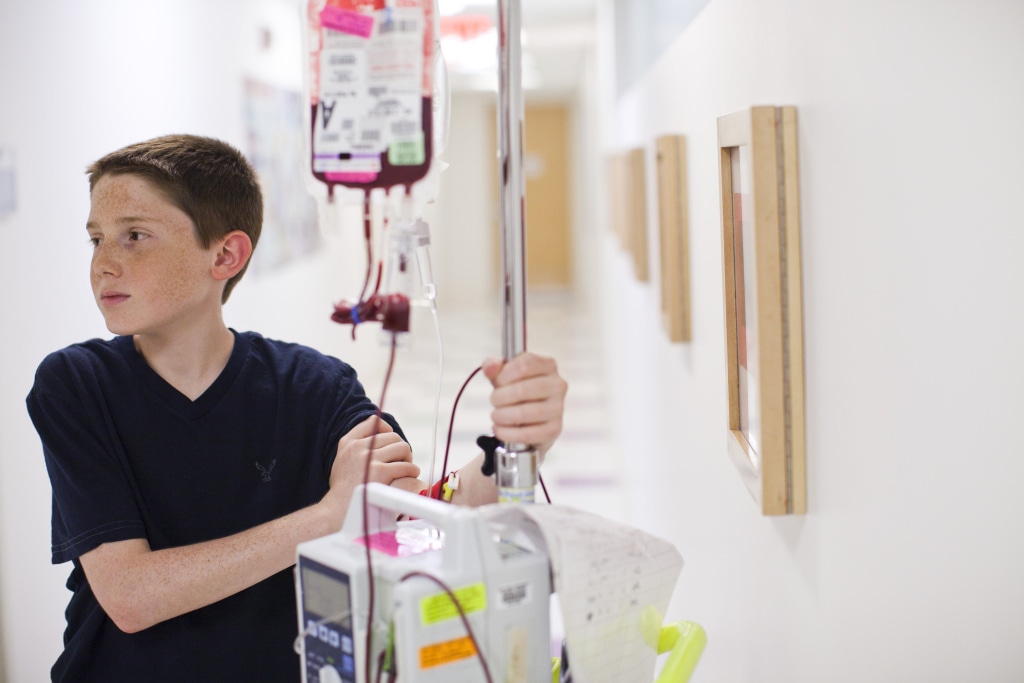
(370,71)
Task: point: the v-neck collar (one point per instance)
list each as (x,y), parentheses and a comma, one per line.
(176,400)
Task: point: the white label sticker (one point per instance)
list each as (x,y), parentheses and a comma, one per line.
(513,594)
(370,92)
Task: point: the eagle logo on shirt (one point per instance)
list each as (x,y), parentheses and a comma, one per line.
(265,471)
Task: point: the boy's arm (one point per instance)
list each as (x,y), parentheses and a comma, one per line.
(528,398)
(139,587)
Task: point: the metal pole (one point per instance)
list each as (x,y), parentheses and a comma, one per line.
(516,464)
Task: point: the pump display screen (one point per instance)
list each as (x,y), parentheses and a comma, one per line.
(326,597)
(329,649)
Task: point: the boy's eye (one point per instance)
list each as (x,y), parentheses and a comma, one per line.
(94,241)
(135,236)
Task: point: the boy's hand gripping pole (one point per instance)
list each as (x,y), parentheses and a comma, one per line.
(516,464)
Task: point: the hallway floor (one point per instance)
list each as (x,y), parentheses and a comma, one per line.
(580,470)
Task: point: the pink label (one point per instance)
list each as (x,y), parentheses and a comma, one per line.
(384,541)
(387,542)
(351,177)
(347,21)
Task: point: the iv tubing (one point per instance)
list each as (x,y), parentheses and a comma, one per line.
(437,393)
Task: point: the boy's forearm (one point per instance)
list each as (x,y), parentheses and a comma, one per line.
(139,587)
(474,487)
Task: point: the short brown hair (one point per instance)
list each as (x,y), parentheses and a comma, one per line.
(209,180)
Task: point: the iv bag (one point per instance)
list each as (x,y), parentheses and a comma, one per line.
(369,77)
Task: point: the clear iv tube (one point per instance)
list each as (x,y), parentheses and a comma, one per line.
(437,393)
(422,241)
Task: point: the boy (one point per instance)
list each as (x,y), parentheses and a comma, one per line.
(188,460)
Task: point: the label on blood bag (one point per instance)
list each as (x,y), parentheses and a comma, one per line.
(395,75)
(343,71)
(370,77)
(408,152)
(347,21)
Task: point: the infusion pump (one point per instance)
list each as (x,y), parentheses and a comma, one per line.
(416,631)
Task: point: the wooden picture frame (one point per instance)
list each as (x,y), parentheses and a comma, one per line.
(636,192)
(618,197)
(673,236)
(763,304)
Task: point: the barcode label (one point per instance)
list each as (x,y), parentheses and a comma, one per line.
(404,128)
(514,594)
(342,59)
(400,26)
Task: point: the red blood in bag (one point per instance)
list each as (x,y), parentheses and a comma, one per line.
(390,175)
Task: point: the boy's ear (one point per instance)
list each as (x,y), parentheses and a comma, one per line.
(232,255)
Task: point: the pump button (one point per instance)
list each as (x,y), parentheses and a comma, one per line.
(328,674)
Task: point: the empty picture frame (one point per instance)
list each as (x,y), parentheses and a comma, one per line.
(763,304)
(618,198)
(673,239)
(636,189)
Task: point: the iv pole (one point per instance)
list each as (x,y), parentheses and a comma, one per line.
(516,464)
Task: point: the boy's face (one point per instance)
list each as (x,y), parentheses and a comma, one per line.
(149,273)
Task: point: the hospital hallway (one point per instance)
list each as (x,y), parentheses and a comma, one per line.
(819,408)
(580,470)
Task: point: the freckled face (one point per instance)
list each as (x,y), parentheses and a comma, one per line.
(149,273)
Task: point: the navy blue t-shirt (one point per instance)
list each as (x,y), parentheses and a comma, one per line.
(131,457)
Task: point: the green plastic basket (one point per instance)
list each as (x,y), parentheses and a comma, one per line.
(684,642)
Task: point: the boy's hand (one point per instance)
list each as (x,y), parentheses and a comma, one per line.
(390,463)
(528,399)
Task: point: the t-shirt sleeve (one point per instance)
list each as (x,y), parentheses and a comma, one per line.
(93,499)
(350,407)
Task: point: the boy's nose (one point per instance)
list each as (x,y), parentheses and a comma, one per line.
(106,260)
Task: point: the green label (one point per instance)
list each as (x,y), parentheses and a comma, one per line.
(407,152)
(440,607)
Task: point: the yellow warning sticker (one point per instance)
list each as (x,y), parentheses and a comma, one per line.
(440,607)
(445,653)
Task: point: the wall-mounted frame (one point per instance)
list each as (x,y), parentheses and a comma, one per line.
(7,203)
(618,197)
(636,188)
(627,196)
(763,304)
(673,237)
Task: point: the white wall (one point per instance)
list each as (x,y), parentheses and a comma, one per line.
(908,565)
